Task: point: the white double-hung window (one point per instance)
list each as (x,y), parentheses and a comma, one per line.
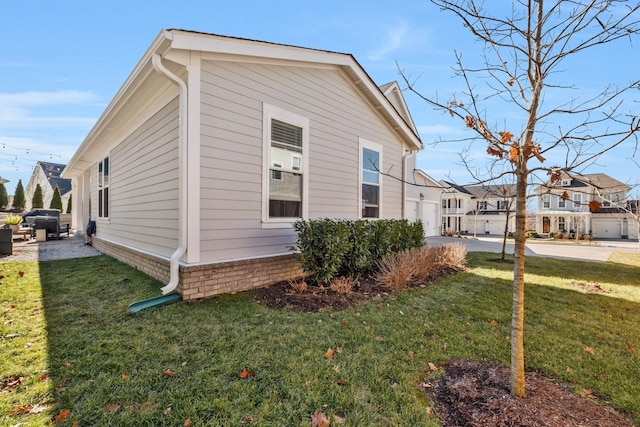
(285,150)
(370,179)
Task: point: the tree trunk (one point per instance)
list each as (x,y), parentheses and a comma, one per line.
(517,316)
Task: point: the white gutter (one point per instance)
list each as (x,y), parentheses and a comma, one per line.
(174,263)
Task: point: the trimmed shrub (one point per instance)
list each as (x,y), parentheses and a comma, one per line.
(328,248)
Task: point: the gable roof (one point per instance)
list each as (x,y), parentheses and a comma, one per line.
(52,171)
(436,183)
(600,181)
(491,191)
(459,188)
(175,44)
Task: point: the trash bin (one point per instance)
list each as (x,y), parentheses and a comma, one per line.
(6,241)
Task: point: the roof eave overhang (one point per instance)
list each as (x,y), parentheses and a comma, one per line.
(83,157)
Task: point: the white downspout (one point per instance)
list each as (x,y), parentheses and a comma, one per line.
(174,265)
(404,181)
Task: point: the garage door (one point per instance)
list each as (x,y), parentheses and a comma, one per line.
(606,228)
(430,219)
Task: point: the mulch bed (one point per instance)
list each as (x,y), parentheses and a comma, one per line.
(317,298)
(469,394)
(477,395)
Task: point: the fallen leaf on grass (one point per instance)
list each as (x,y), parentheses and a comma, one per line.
(341,382)
(21,410)
(319,420)
(588,350)
(42,377)
(329,354)
(62,416)
(11,382)
(345,325)
(187,422)
(432,367)
(67,364)
(493,322)
(429,411)
(630,346)
(246,373)
(112,407)
(21,273)
(125,376)
(169,373)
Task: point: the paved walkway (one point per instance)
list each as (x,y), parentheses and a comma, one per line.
(69,247)
(598,250)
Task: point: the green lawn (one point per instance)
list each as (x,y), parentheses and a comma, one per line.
(65,330)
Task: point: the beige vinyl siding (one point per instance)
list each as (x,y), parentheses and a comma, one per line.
(231,152)
(144,186)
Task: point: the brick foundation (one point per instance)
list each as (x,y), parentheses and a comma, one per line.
(204,281)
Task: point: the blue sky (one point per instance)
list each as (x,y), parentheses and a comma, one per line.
(62,62)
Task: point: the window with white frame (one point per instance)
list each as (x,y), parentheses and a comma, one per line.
(561,202)
(481,206)
(371,183)
(103,188)
(285,152)
(545,201)
(577,200)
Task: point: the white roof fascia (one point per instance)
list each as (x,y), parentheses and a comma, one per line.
(394,88)
(426,176)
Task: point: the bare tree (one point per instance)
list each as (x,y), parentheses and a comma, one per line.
(521,66)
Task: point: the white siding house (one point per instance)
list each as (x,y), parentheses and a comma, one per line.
(477,209)
(564,207)
(215,145)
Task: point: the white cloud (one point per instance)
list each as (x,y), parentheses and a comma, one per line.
(395,38)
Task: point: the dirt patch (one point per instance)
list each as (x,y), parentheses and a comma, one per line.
(477,395)
(591,288)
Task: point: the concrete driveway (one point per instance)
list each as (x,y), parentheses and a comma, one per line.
(598,250)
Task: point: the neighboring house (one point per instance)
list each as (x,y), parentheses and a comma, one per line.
(456,202)
(423,195)
(564,206)
(477,209)
(215,145)
(492,205)
(48,176)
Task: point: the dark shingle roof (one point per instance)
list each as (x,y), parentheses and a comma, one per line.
(52,171)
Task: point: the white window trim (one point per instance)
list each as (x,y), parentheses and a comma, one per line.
(99,218)
(362,144)
(270,112)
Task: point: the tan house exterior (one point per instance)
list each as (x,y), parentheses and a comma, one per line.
(572,213)
(215,145)
(47,174)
